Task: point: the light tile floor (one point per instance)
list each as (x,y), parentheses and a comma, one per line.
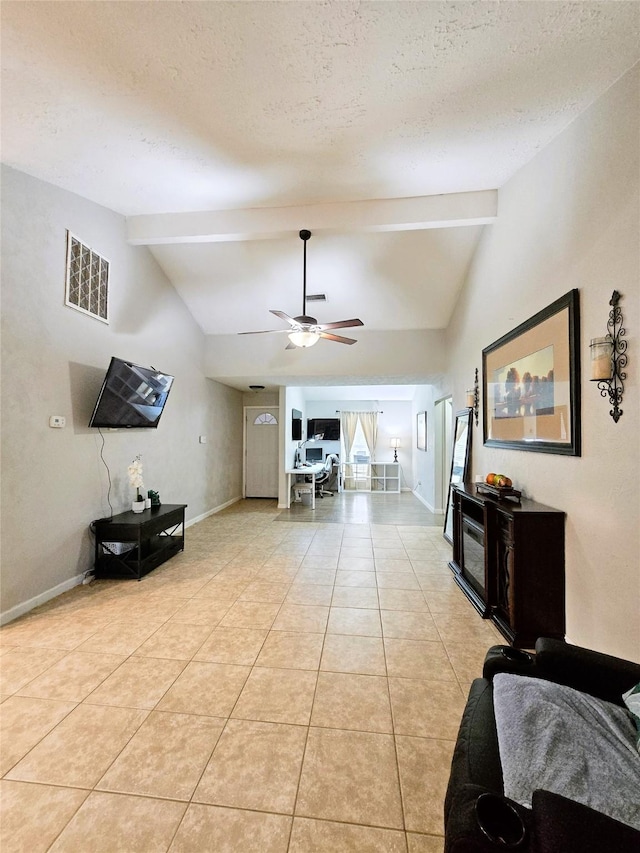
(294,686)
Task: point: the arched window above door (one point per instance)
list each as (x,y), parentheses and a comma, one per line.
(265,418)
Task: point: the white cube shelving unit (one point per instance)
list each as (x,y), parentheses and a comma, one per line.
(371,477)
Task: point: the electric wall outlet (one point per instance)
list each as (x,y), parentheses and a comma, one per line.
(57,421)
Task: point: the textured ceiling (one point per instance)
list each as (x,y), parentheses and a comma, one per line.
(167,106)
(158,107)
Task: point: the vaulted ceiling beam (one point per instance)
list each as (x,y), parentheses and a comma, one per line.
(265,223)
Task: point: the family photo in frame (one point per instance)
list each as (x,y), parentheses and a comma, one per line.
(531,382)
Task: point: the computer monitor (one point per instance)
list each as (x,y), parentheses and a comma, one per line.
(315,454)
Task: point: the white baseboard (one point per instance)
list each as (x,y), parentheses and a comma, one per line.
(427,504)
(211,512)
(65,586)
(36,601)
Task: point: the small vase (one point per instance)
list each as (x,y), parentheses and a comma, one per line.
(138,506)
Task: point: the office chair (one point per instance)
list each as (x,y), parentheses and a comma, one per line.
(326,475)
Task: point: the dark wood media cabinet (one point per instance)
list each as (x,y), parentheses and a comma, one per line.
(508,559)
(157,534)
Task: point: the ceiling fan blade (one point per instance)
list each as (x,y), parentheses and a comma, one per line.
(265,332)
(341,324)
(285,317)
(337,338)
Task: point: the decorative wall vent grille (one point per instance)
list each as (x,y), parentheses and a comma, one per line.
(317,297)
(87,280)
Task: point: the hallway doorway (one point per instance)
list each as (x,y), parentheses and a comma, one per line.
(443,417)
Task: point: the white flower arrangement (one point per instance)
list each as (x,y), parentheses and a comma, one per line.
(135,476)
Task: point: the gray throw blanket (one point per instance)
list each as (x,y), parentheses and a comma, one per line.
(556,738)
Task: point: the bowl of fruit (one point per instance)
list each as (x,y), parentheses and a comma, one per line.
(499,480)
(499,486)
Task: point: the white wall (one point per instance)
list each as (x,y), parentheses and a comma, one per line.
(290,398)
(570,219)
(295,400)
(53,362)
(424,461)
(261,398)
(406,357)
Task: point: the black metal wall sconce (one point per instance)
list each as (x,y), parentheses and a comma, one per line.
(609,357)
(473,398)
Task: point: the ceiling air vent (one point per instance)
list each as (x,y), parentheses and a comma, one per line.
(317,297)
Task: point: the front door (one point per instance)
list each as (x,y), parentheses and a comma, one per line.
(261,452)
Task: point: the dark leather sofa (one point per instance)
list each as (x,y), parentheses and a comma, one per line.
(478,817)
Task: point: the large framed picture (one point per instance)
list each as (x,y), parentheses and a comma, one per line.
(531,382)
(422,430)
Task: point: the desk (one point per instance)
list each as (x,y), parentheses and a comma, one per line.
(306,471)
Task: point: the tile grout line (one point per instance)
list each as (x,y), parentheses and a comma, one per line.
(393,726)
(308,727)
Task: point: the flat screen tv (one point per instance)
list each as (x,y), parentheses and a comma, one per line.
(329,428)
(131,397)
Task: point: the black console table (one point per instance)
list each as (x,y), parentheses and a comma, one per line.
(157,534)
(508,559)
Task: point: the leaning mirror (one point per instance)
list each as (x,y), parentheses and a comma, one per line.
(460,461)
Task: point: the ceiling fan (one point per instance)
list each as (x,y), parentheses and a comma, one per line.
(306,331)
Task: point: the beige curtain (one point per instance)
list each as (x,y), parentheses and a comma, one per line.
(348,424)
(369,424)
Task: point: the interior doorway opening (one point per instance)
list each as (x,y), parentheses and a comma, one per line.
(443,417)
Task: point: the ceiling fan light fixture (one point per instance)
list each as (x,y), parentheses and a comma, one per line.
(304,339)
